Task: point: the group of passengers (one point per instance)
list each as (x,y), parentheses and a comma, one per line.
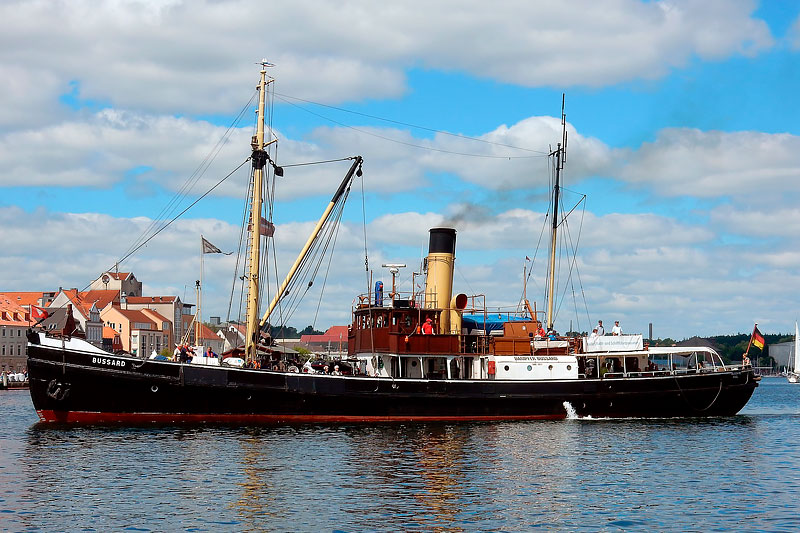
(550,334)
(600,331)
(185,353)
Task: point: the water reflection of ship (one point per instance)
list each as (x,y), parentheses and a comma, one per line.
(255,502)
(440,452)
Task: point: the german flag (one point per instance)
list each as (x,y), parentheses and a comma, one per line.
(758,339)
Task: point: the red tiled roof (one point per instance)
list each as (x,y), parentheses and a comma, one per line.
(84,300)
(151,299)
(24,298)
(11,313)
(109,333)
(332,334)
(119,275)
(138,316)
(207,333)
(156,315)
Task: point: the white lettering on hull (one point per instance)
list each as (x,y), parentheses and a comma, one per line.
(108,361)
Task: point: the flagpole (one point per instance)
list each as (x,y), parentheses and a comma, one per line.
(747,352)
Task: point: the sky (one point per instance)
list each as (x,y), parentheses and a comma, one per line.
(683,160)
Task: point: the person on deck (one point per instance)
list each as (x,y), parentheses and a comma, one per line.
(593,334)
(427,327)
(210,352)
(540,332)
(616,330)
(600,330)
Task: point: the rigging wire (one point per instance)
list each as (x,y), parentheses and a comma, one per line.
(176,217)
(312,262)
(318,162)
(536,251)
(239,257)
(366,272)
(415,126)
(325,280)
(412,145)
(567,236)
(243,241)
(269,209)
(193,178)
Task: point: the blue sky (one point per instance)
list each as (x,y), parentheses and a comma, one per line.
(683,135)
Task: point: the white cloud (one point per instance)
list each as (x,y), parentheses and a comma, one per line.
(690,162)
(196,57)
(780,222)
(793,35)
(98,150)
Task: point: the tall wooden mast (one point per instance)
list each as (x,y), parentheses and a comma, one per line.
(259,160)
(559,156)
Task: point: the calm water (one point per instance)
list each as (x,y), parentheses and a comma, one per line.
(740,473)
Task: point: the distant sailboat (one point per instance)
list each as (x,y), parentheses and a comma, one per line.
(794,373)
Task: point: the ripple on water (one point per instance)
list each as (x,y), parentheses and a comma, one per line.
(717,474)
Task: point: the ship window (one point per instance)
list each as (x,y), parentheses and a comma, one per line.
(530,368)
(550,367)
(505,368)
(569,367)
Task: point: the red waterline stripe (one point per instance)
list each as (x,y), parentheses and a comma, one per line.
(99,417)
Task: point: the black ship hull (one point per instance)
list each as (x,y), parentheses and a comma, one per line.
(74,386)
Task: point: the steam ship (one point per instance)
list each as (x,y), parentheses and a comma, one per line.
(428,356)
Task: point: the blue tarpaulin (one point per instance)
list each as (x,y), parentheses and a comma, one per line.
(494,321)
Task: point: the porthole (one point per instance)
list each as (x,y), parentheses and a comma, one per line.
(154,388)
(530,368)
(550,367)
(506,368)
(413,363)
(569,367)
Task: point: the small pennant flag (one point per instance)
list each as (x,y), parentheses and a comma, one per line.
(758,339)
(209,248)
(39,313)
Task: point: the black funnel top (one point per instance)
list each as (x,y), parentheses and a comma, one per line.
(443,241)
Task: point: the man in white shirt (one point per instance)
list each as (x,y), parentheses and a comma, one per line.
(616,330)
(600,330)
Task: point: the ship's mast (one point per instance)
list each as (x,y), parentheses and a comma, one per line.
(559,156)
(255,221)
